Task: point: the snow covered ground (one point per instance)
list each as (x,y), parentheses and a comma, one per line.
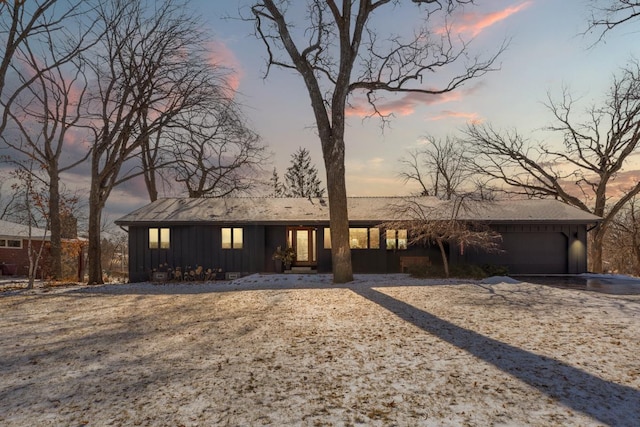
(297,350)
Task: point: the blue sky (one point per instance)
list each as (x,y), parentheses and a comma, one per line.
(546,52)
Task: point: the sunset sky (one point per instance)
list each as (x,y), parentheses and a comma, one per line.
(546,51)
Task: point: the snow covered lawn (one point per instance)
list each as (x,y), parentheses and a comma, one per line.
(297,350)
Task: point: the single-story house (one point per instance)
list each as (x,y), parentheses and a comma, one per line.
(240,235)
(14,251)
(14,244)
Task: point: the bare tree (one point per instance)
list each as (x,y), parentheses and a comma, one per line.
(338,54)
(440,168)
(142,80)
(621,244)
(209,149)
(21,22)
(8,200)
(583,172)
(43,115)
(444,224)
(33,211)
(217,155)
(609,14)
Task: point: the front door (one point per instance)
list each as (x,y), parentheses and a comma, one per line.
(303,242)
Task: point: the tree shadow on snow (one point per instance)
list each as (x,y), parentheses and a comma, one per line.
(263,282)
(605,401)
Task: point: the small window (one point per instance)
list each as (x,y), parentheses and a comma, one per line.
(159,238)
(396,239)
(226,238)
(402,239)
(327,238)
(391,239)
(374,238)
(11,243)
(237,238)
(232,238)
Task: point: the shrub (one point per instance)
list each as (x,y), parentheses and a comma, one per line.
(495,270)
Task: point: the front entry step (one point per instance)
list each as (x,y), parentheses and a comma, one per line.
(301,270)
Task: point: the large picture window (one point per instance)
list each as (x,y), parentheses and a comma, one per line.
(232,238)
(159,238)
(359,238)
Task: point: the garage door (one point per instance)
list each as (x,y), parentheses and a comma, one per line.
(535,253)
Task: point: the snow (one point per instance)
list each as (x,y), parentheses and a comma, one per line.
(298,350)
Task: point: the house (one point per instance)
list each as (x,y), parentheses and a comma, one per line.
(240,235)
(14,251)
(14,244)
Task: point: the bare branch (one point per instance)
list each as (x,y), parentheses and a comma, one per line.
(612,14)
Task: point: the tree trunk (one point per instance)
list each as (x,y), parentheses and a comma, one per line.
(94,249)
(596,249)
(148,166)
(338,212)
(55,252)
(31,274)
(151,186)
(445,261)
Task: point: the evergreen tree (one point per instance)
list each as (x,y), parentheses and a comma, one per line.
(302,177)
(277,187)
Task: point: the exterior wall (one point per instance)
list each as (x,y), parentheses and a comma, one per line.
(275,235)
(528,249)
(18,258)
(374,260)
(534,249)
(193,245)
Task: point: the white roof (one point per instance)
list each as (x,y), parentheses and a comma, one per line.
(361,209)
(12,230)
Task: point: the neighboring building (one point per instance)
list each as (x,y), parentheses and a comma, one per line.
(14,251)
(14,244)
(240,235)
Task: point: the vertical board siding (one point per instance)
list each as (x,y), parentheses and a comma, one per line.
(527,249)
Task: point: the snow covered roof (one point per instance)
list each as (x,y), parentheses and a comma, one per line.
(12,230)
(361,209)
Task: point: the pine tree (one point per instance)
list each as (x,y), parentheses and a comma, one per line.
(277,187)
(302,177)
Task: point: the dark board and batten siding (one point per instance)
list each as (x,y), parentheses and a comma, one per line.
(527,249)
(192,245)
(540,236)
(534,249)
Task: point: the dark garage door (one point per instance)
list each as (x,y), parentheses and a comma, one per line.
(535,253)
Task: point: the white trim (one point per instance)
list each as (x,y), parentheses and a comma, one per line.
(4,243)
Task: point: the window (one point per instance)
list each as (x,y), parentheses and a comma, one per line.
(374,238)
(159,238)
(359,238)
(11,243)
(402,239)
(396,239)
(232,238)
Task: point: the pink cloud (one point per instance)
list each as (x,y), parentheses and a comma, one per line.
(473,118)
(475,23)
(617,187)
(404,106)
(221,56)
(623,182)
